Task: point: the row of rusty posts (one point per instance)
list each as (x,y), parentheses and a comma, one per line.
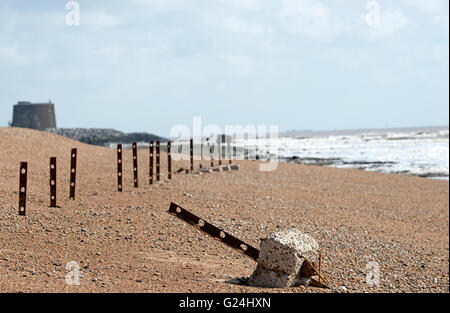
(219,147)
(152,158)
(23,181)
(73,169)
(135,163)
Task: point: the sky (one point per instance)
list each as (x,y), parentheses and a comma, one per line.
(147,65)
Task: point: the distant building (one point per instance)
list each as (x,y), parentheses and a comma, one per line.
(40,116)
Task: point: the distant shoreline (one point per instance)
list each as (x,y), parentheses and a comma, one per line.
(319,133)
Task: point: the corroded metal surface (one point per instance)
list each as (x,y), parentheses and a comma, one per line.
(135,165)
(158,151)
(210,149)
(169,161)
(191,152)
(151,163)
(73,173)
(53,182)
(229,151)
(23,188)
(219,147)
(213,231)
(119,167)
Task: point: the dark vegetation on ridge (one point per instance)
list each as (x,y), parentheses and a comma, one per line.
(103,136)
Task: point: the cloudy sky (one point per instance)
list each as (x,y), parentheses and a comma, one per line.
(146,65)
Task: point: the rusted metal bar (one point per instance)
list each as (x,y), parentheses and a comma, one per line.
(73,173)
(213,231)
(135,165)
(210,152)
(169,161)
(53,182)
(151,163)
(212,158)
(158,150)
(191,152)
(315,271)
(119,167)
(23,188)
(219,146)
(229,151)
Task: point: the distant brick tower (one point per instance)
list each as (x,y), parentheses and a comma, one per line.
(39,116)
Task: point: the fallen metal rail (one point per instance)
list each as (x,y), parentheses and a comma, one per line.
(309,268)
(213,231)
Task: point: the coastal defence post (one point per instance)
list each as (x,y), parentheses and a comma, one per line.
(40,116)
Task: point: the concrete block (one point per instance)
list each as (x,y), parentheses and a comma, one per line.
(281,259)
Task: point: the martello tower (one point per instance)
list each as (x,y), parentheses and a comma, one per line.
(39,116)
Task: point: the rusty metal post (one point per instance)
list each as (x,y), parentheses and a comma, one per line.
(23,188)
(210,152)
(219,146)
(169,161)
(73,173)
(229,151)
(212,157)
(191,144)
(119,167)
(151,163)
(53,182)
(135,165)
(158,150)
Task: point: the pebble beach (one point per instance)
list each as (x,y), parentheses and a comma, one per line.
(127,242)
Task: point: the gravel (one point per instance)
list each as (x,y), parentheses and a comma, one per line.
(126,242)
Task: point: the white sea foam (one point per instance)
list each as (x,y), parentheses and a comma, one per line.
(422,152)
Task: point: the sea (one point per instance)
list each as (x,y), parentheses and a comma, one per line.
(410,151)
(421,151)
